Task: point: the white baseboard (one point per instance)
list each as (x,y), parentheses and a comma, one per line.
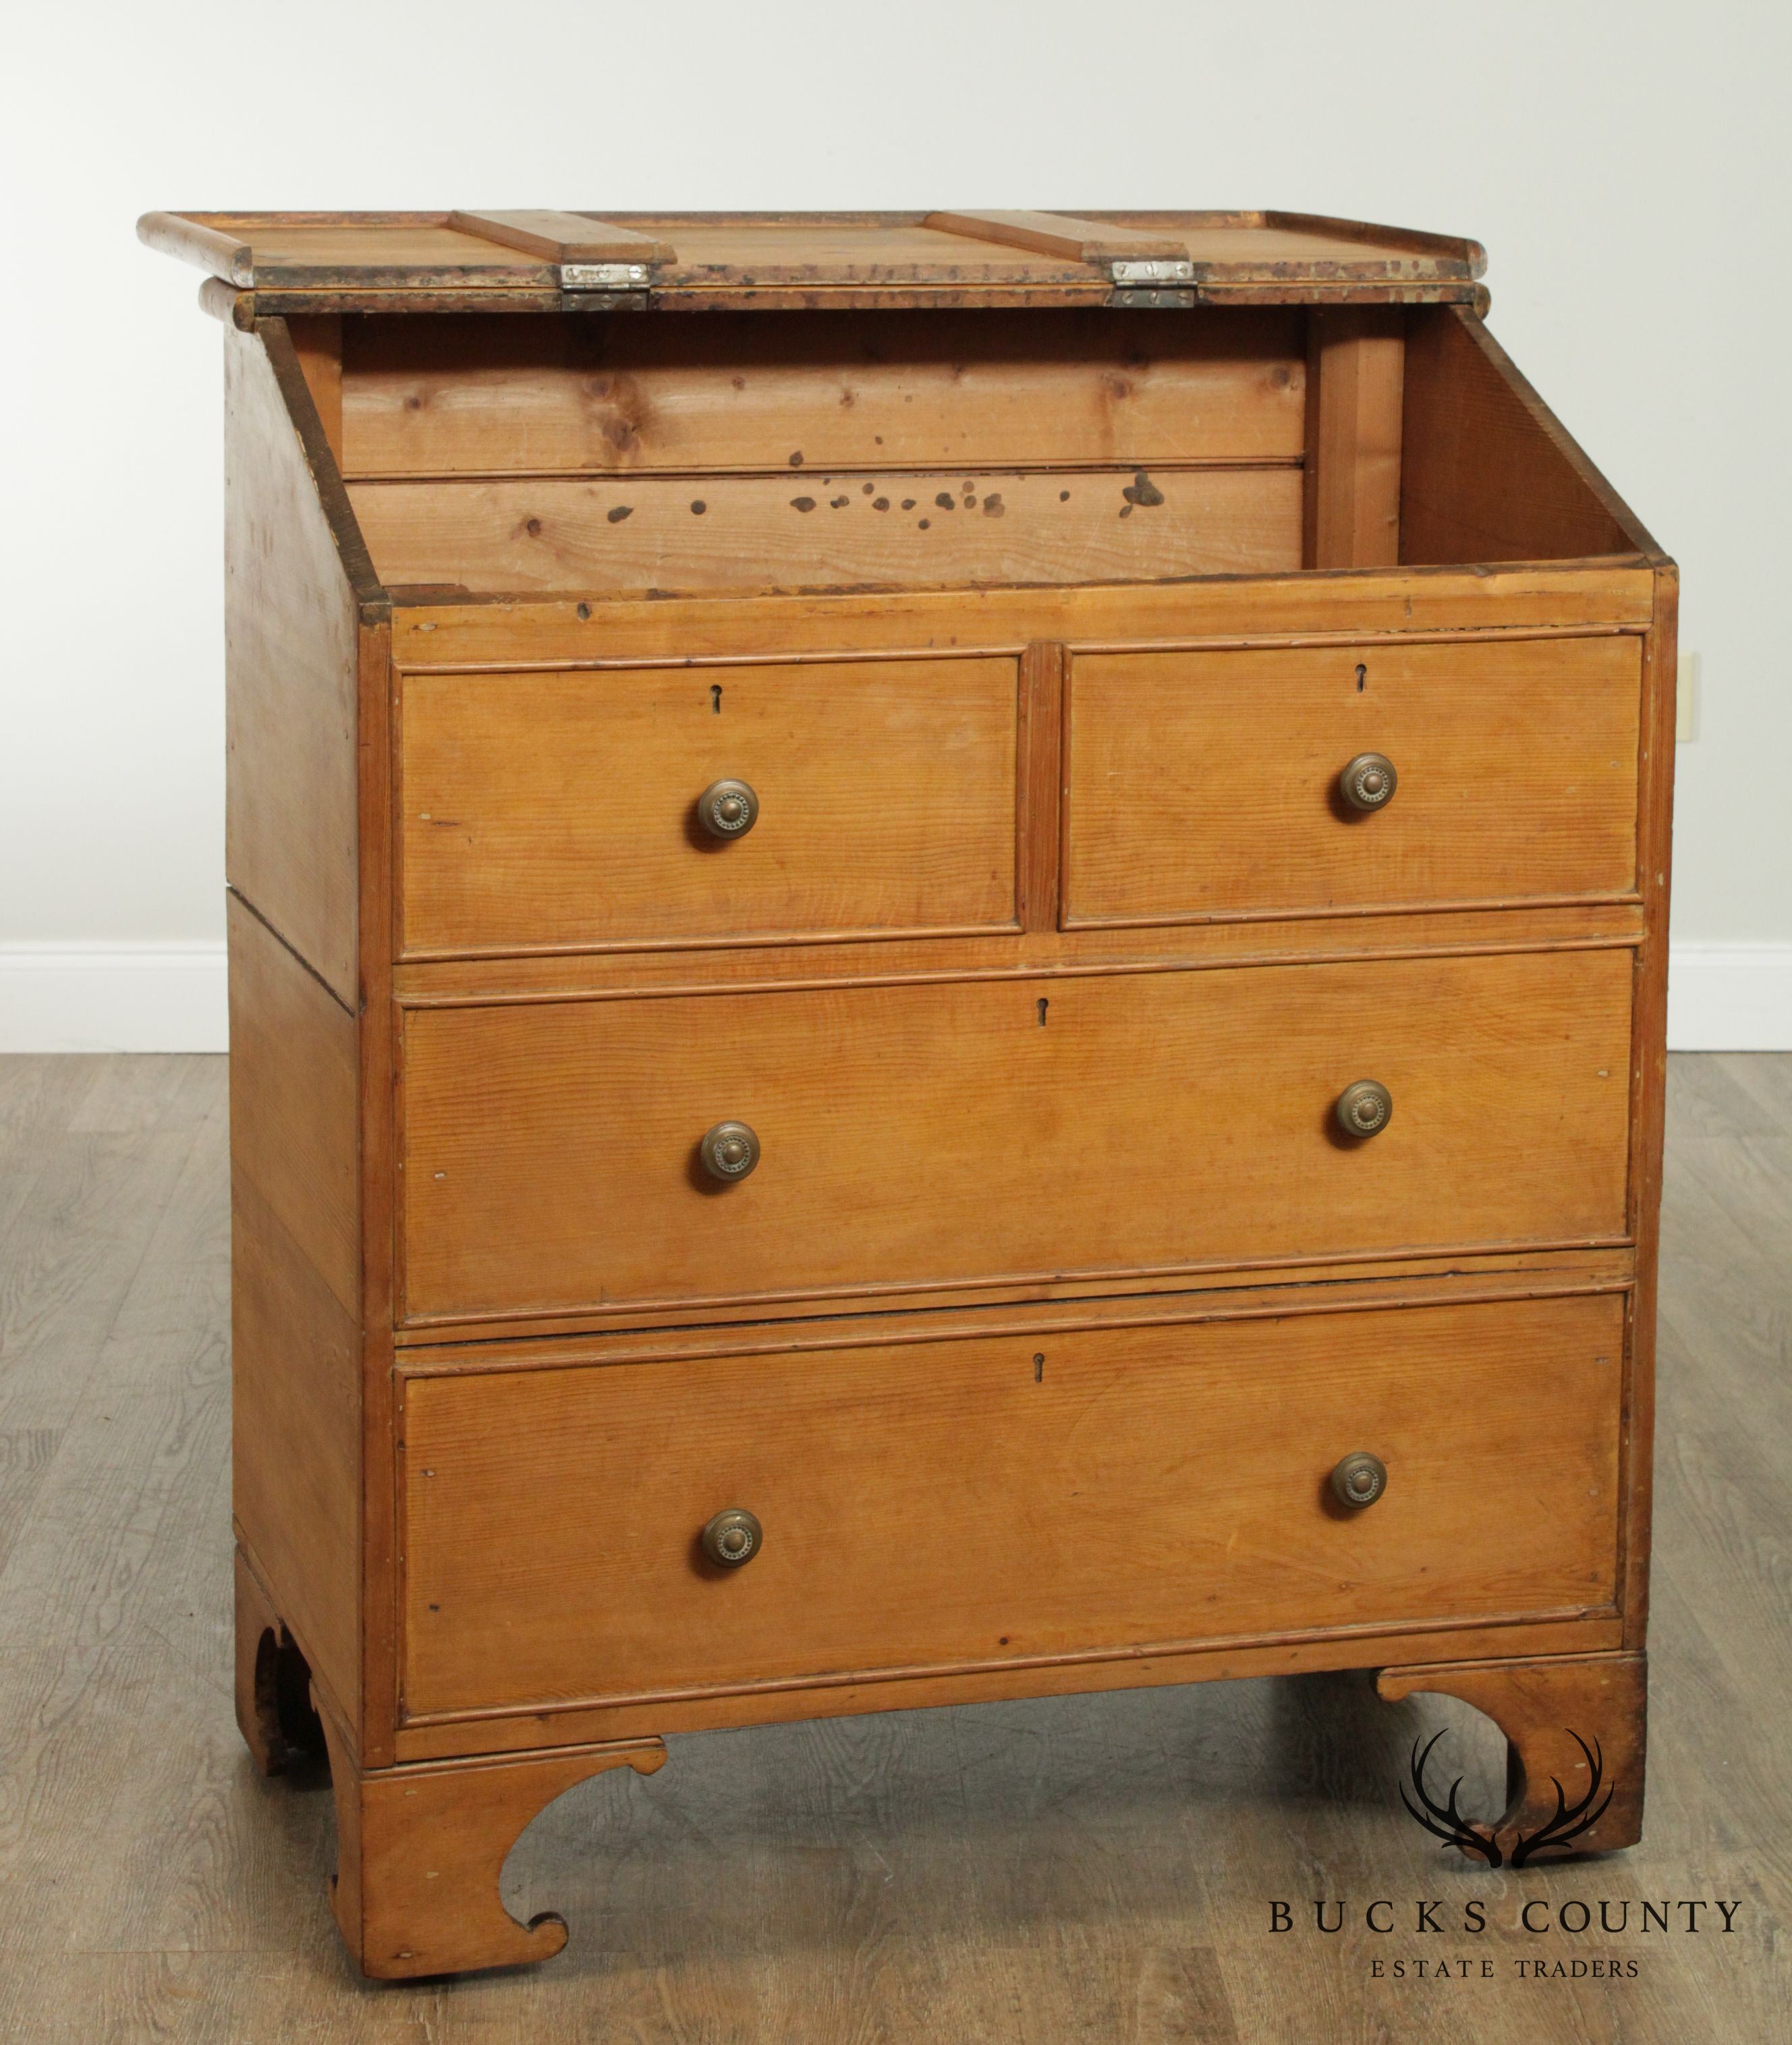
(93,997)
(170,997)
(1729,997)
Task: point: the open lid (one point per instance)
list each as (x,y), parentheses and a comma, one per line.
(542,261)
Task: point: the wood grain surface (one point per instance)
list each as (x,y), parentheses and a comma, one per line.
(1207,784)
(560,809)
(809,392)
(1126,1494)
(1488,473)
(1356,360)
(504,633)
(290,704)
(921,1135)
(825,530)
(295,1296)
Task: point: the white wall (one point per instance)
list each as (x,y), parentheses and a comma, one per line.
(1626,166)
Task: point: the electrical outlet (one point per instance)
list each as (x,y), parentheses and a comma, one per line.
(1685,700)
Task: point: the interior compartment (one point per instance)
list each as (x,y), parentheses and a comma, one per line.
(625,454)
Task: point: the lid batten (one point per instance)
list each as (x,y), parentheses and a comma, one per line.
(562,237)
(1062,235)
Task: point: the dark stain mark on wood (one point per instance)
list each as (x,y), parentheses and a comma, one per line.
(534,529)
(880,504)
(1142,490)
(944,500)
(584,612)
(867,488)
(993,507)
(699,506)
(802,503)
(1064,497)
(618,513)
(908,504)
(797,459)
(838,503)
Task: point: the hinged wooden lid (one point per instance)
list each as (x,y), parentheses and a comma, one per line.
(548,261)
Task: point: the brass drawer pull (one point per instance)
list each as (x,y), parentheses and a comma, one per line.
(728,809)
(1367,783)
(1358,1481)
(1364,1108)
(733,1538)
(729,1151)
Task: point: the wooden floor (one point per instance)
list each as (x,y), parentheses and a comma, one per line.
(1092,1869)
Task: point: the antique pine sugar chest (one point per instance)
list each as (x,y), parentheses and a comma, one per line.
(947,978)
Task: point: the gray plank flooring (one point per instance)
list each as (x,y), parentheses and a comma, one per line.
(1081,1869)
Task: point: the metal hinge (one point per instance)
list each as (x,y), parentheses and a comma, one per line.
(1167,270)
(604,277)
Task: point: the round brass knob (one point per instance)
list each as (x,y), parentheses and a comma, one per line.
(1369,781)
(1364,1108)
(728,809)
(1360,1480)
(732,1539)
(729,1151)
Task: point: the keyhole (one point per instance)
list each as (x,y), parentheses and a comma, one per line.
(1044,1005)
(1039,1370)
(1362,678)
(716,694)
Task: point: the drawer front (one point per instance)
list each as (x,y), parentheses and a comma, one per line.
(560,810)
(1207,784)
(985,1131)
(977,1502)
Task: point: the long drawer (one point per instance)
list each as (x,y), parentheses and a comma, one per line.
(984,1131)
(1212,784)
(561,809)
(980,1501)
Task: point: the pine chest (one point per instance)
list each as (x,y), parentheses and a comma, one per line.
(947,981)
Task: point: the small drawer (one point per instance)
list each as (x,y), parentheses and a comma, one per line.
(971,1503)
(997,1131)
(1218,784)
(565,810)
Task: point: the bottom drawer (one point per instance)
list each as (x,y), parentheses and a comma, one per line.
(935,1503)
